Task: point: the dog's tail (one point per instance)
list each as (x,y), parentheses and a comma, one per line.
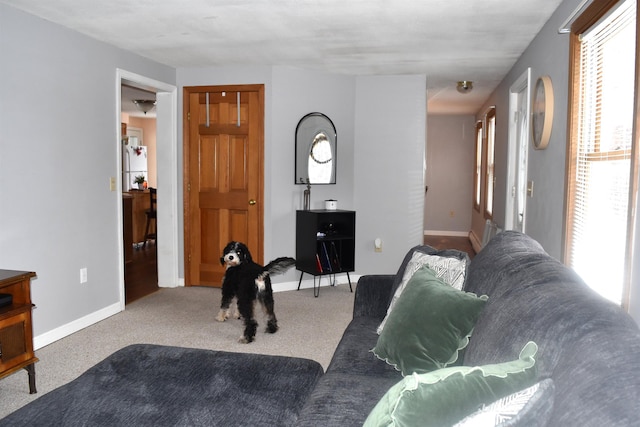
(278,266)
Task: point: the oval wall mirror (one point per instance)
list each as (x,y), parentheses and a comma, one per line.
(315,150)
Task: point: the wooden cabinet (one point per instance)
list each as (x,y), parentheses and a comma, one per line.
(325,243)
(16,330)
(127,226)
(140,203)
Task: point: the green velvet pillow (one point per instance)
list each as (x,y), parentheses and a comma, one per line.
(446,396)
(430,323)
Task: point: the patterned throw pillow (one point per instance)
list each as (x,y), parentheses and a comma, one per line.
(451,270)
(530,407)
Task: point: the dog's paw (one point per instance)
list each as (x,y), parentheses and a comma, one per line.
(222,316)
(244,340)
(271,328)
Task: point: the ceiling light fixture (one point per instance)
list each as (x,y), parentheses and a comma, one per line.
(464,86)
(145,105)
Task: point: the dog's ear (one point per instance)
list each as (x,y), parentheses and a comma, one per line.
(246,255)
(221,260)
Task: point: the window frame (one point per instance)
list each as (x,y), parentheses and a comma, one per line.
(582,24)
(490,163)
(477,177)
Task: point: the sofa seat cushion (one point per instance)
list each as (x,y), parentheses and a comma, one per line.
(159,385)
(353,354)
(343,399)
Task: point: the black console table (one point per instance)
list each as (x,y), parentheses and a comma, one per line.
(325,244)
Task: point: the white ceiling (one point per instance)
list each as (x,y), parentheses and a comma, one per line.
(448,40)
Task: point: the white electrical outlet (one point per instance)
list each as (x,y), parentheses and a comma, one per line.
(83,275)
(112,183)
(377,244)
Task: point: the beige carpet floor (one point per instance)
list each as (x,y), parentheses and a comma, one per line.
(309,328)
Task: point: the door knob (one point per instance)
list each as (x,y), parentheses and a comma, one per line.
(252,202)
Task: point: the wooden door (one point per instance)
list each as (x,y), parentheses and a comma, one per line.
(224,168)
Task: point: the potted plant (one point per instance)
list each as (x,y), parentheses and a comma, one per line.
(139,179)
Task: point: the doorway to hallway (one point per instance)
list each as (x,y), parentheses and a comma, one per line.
(518,153)
(165,247)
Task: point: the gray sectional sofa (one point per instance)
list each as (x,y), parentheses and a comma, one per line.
(588,359)
(587,346)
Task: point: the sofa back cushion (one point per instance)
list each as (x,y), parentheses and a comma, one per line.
(587,344)
(494,263)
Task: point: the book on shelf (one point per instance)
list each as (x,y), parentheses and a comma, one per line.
(324,258)
(318,264)
(335,259)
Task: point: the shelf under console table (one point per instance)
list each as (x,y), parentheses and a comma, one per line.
(325,244)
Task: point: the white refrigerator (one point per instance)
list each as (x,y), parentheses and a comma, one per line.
(134,163)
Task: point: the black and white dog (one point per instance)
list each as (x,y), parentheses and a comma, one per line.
(249,282)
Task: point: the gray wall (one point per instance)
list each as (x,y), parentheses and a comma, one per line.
(379,167)
(548,54)
(389,168)
(450,157)
(290,94)
(295,93)
(58,149)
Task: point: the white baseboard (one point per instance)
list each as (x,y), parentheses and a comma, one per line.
(341,279)
(72,327)
(179,283)
(446,233)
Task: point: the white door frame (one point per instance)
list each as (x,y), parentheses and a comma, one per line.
(167,167)
(518,146)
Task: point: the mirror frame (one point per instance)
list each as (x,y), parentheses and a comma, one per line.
(306,130)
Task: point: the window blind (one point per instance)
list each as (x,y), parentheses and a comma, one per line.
(602,150)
